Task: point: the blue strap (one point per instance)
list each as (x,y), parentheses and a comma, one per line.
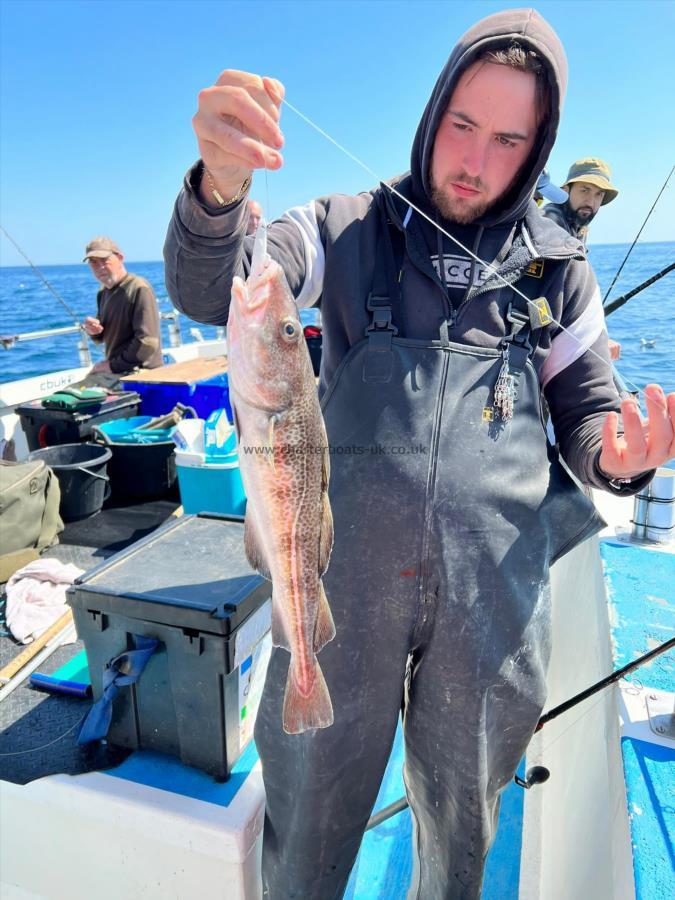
(121,671)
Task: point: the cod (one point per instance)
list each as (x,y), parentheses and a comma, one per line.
(284,462)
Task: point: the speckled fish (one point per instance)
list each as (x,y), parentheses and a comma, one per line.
(284,461)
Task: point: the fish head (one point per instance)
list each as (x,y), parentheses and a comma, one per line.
(269,361)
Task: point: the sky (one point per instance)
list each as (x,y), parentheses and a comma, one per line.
(96,102)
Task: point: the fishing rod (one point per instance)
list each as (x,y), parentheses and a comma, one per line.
(624,298)
(63,303)
(540,774)
(604,299)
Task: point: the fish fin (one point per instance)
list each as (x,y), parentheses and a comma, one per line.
(324,629)
(253,548)
(325,533)
(279,636)
(304,712)
(235,421)
(325,459)
(269,449)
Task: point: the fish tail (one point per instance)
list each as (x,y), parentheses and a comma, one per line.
(305,711)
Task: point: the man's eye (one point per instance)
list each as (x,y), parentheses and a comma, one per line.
(460,126)
(505,142)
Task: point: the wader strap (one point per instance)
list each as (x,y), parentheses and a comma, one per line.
(379,359)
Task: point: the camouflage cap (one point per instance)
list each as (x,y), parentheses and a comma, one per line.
(100,248)
(593,171)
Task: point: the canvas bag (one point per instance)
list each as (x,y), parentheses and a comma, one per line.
(29,512)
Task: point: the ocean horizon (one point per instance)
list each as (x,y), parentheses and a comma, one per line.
(27,305)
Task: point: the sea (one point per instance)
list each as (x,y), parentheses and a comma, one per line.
(643,326)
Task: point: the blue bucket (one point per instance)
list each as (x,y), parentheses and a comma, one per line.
(130,431)
(213,487)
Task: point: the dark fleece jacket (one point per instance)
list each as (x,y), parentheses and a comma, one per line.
(328,250)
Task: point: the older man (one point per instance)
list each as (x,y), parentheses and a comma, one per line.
(127,319)
(438,576)
(588,188)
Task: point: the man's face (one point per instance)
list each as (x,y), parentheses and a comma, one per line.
(584,201)
(109,270)
(483,139)
(254,216)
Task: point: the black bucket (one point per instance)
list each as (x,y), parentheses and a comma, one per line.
(81,470)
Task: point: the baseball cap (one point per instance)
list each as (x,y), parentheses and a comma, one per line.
(100,248)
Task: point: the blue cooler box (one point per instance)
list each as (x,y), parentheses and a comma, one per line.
(158,398)
(210,484)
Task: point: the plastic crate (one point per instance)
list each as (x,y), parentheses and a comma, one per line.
(190,587)
(210,484)
(50,427)
(159,398)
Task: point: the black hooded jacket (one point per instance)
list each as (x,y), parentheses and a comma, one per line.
(328,250)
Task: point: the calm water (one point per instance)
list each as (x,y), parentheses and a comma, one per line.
(27,305)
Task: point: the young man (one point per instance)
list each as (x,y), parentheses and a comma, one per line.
(588,187)
(127,318)
(444,611)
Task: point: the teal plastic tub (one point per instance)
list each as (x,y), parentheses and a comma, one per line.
(210,487)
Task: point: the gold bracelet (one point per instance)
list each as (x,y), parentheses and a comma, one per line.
(219,197)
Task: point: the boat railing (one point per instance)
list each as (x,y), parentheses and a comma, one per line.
(9,341)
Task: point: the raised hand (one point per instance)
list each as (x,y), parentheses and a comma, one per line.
(237,128)
(645,444)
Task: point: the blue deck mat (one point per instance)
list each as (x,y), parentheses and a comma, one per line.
(641,588)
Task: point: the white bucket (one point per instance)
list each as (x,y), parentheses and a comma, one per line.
(654,509)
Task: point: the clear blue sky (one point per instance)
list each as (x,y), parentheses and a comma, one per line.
(97,97)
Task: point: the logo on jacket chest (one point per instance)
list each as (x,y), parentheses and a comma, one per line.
(457,271)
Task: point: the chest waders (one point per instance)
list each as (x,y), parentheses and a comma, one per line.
(447,518)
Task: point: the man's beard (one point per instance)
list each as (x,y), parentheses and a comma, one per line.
(573,217)
(462,210)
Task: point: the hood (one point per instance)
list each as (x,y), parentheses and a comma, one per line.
(531,30)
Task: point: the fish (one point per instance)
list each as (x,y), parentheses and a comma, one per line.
(285,468)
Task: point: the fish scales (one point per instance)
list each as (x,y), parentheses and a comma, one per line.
(283,457)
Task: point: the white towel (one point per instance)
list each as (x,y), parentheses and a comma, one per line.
(36,597)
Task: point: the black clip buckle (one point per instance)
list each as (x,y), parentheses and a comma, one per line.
(381,315)
(518,321)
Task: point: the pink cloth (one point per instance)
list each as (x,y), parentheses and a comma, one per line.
(36,597)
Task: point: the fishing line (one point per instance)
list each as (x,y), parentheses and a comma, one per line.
(490,268)
(40,275)
(44,746)
(604,299)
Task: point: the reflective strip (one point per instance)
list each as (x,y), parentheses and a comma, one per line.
(569,345)
(304,217)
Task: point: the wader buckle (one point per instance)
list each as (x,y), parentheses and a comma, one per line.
(518,321)
(381,329)
(379,359)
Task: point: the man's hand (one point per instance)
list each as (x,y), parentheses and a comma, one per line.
(237,128)
(614,349)
(92,326)
(644,444)
(102,366)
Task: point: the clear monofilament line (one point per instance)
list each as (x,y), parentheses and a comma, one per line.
(490,268)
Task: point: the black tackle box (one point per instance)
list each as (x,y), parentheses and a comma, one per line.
(189,586)
(47,427)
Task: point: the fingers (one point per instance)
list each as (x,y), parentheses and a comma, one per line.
(237,122)
(610,457)
(661,425)
(634,430)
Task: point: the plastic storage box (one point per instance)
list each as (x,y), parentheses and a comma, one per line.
(159,398)
(189,586)
(48,427)
(210,484)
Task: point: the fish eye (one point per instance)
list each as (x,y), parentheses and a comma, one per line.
(289,330)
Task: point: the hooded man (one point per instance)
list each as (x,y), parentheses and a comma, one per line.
(444,612)
(588,188)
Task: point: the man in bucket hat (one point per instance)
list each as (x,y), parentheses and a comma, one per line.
(589,187)
(127,318)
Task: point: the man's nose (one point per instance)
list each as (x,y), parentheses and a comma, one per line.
(474,156)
